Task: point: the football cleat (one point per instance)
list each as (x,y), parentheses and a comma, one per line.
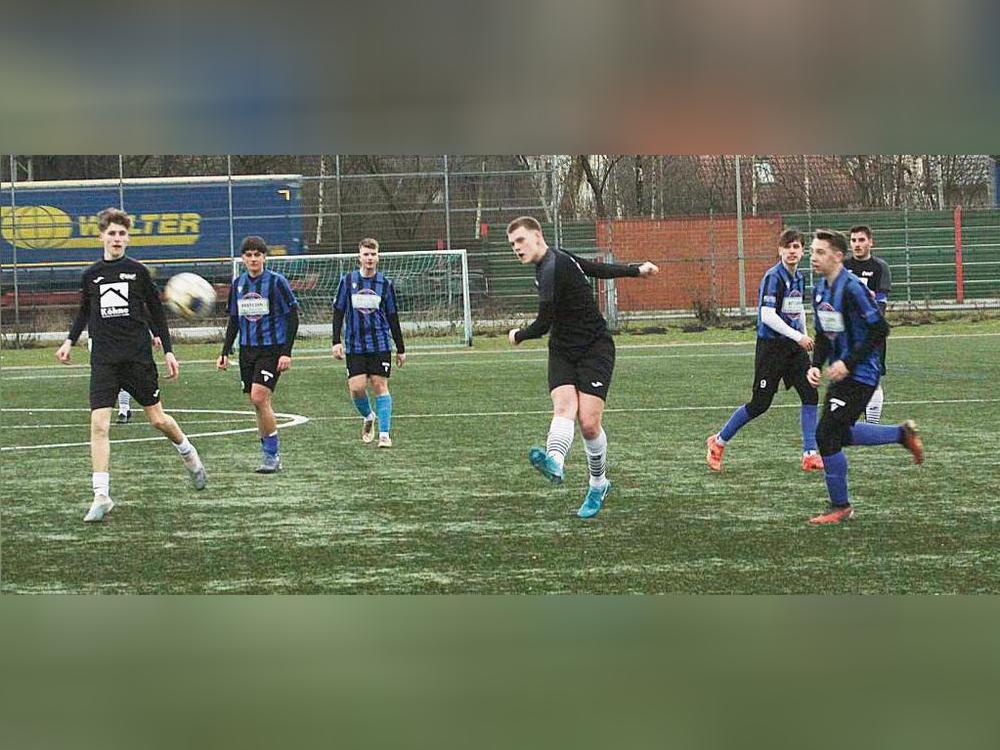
(384,441)
(833,514)
(198,476)
(124,417)
(368,430)
(713,456)
(101,506)
(594,500)
(269,464)
(812,462)
(546,464)
(912,441)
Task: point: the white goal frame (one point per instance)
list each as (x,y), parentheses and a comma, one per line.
(275,262)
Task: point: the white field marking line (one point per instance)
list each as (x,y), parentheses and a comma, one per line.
(294,420)
(472,352)
(84,425)
(644,409)
(339,365)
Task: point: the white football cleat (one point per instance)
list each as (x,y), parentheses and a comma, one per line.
(368,430)
(101,506)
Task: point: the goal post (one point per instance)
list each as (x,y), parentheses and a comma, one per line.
(432,290)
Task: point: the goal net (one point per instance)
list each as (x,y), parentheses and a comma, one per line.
(432,291)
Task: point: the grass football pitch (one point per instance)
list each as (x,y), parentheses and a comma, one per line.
(454,505)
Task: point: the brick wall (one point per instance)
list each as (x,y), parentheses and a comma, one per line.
(697,258)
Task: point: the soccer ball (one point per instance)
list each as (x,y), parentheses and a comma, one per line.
(189,295)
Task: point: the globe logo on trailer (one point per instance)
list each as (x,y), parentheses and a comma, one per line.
(34,227)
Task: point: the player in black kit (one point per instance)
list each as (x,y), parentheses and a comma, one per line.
(581,352)
(874,273)
(120,305)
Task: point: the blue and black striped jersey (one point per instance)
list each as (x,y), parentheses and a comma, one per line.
(784,292)
(262,306)
(366,303)
(844,312)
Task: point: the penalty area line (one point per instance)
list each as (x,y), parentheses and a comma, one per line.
(293,421)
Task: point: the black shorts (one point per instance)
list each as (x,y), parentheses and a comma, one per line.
(377,363)
(138,378)
(780,360)
(846,401)
(881,357)
(590,372)
(259,364)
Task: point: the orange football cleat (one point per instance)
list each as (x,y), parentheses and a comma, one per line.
(912,441)
(714,454)
(834,514)
(812,462)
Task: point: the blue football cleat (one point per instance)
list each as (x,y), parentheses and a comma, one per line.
(593,501)
(269,464)
(542,461)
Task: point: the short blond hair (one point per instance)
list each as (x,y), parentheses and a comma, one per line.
(528,222)
(369,242)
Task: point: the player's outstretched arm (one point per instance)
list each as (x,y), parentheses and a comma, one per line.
(648,269)
(597,270)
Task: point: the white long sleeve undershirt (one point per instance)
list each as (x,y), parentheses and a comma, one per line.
(769,317)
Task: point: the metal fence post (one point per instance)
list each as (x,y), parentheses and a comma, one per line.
(13,246)
(121,182)
(340,210)
(232,232)
(959,270)
(447,208)
(739,241)
(906,248)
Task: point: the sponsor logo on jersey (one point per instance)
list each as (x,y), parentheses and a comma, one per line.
(252,306)
(792,303)
(831,320)
(129,276)
(366,301)
(114,300)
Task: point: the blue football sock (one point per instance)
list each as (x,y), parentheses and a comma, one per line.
(808,419)
(364,408)
(740,417)
(383,407)
(269,444)
(876,434)
(835,469)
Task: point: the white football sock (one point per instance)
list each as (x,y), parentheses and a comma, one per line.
(873,412)
(597,458)
(101,482)
(124,402)
(560,438)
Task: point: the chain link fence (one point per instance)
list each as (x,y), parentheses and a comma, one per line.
(711,222)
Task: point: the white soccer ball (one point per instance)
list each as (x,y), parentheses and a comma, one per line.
(189,295)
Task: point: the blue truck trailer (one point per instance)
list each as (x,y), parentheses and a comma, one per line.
(49,234)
